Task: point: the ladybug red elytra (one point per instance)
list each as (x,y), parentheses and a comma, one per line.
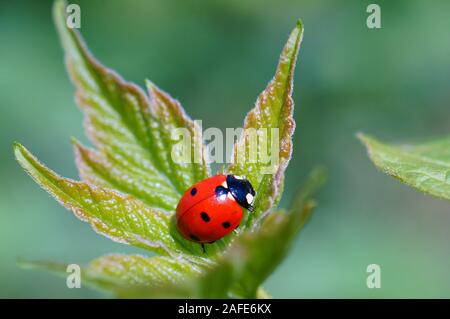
(212,208)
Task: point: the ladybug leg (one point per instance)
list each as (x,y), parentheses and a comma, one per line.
(203,248)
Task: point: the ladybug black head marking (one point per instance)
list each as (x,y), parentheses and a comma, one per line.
(221,192)
(242,191)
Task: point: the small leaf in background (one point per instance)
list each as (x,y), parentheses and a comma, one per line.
(254,255)
(425,167)
(131,131)
(273,110)
(119,217)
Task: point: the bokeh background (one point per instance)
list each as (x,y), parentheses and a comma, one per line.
(216,56)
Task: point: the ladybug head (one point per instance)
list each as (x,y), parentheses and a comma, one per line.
(242,191)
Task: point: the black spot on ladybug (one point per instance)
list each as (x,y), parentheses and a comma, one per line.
(205,216)
(193,237)
(226,225)
(193,191)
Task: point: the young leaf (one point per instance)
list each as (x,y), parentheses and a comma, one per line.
(212,284)
(273,110)
(122,273)
(239,273)
(131,132)
(133,182)
(119,217)
(425,167)
(132,275)
(250,263)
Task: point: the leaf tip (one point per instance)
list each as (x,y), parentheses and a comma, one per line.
(367,140)
(149,83)
(59,12)
(297,32)
(19,150)
(74,141)
(23,156)
(67,36)
(317,178)
(360,135)
(41,265)
(320,175)
(24,264)
(152,89)
(16,145)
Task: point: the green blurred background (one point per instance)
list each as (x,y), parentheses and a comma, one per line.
(215,57)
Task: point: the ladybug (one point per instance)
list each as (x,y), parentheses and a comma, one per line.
(213,208)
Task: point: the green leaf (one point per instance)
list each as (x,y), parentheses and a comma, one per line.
(132,275)
(140,270)
(215,282)
(158,277)
(273,110)
(238,273)
(425,167)
(125,275)
(196,284)
(119,217)
(132,132)
(255,254)
(132,182)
